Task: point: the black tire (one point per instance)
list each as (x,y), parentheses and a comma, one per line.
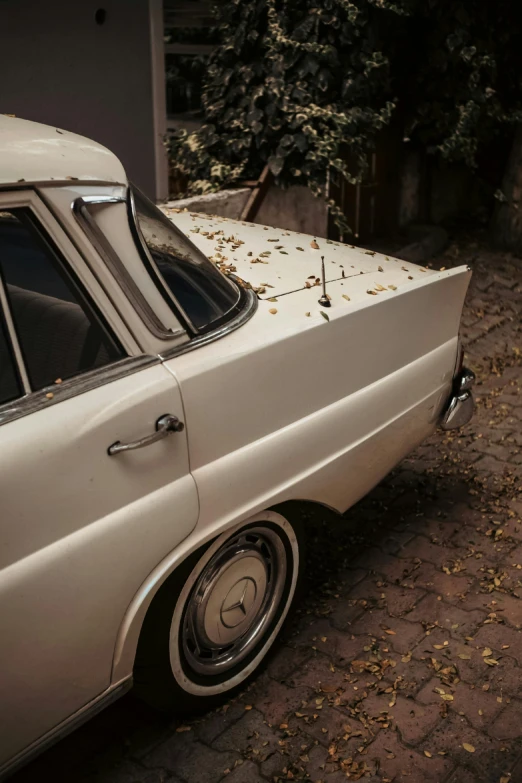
(174,671)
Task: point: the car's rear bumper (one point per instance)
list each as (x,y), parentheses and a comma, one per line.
(460,406)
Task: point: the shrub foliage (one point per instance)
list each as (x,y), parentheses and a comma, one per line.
(306,86)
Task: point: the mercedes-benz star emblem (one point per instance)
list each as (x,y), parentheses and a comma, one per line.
(238,602)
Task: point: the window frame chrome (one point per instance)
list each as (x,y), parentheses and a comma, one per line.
(12,336)
(35,401)
(179,311)
(80,208)
(32,400)
(245,314)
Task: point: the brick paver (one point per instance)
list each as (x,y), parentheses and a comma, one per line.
(404,663)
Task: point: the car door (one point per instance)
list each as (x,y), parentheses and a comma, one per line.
(80,529)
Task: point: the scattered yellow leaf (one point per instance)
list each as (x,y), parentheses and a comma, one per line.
(486,652)
(390,632)
(427,754)
(273,310)
(468,747)
(464,656)
(345,296)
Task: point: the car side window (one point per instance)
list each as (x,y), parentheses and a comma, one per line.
(10,387)
(59,332)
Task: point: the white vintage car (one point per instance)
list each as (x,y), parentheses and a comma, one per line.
(164,418)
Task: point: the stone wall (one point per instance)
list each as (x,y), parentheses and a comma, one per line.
(295,209)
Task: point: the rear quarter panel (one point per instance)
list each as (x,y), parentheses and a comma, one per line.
(294,406)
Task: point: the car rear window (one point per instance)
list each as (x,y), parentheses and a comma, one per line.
(185,276)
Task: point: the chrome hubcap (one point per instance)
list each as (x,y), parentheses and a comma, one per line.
(234,600)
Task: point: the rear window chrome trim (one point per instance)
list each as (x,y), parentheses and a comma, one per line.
(36,401)
(244,310)
(80,207)
(144,251)
(12,337)
(167,293)
(250,302)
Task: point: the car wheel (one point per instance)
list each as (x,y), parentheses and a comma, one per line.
(213,622)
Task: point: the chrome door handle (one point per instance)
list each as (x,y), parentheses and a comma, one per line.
(164,426)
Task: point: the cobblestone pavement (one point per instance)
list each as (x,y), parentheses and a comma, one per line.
(404,663)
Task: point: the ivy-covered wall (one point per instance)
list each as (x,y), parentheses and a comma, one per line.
(306,86)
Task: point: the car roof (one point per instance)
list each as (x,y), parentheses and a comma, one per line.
(31,152)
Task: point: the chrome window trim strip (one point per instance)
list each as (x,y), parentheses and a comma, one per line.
(180,311)
(159,279)
(57,183)
(13,337)
(115,265)
(241,318)
(67,726)
(36,401)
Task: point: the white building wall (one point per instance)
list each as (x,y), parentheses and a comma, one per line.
(59,66)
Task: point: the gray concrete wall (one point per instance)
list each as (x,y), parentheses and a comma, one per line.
(60,67)
(225,203)
(295,209)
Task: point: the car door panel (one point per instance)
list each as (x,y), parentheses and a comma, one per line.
(80,531)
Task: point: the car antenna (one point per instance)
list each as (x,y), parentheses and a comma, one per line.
(325,299)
